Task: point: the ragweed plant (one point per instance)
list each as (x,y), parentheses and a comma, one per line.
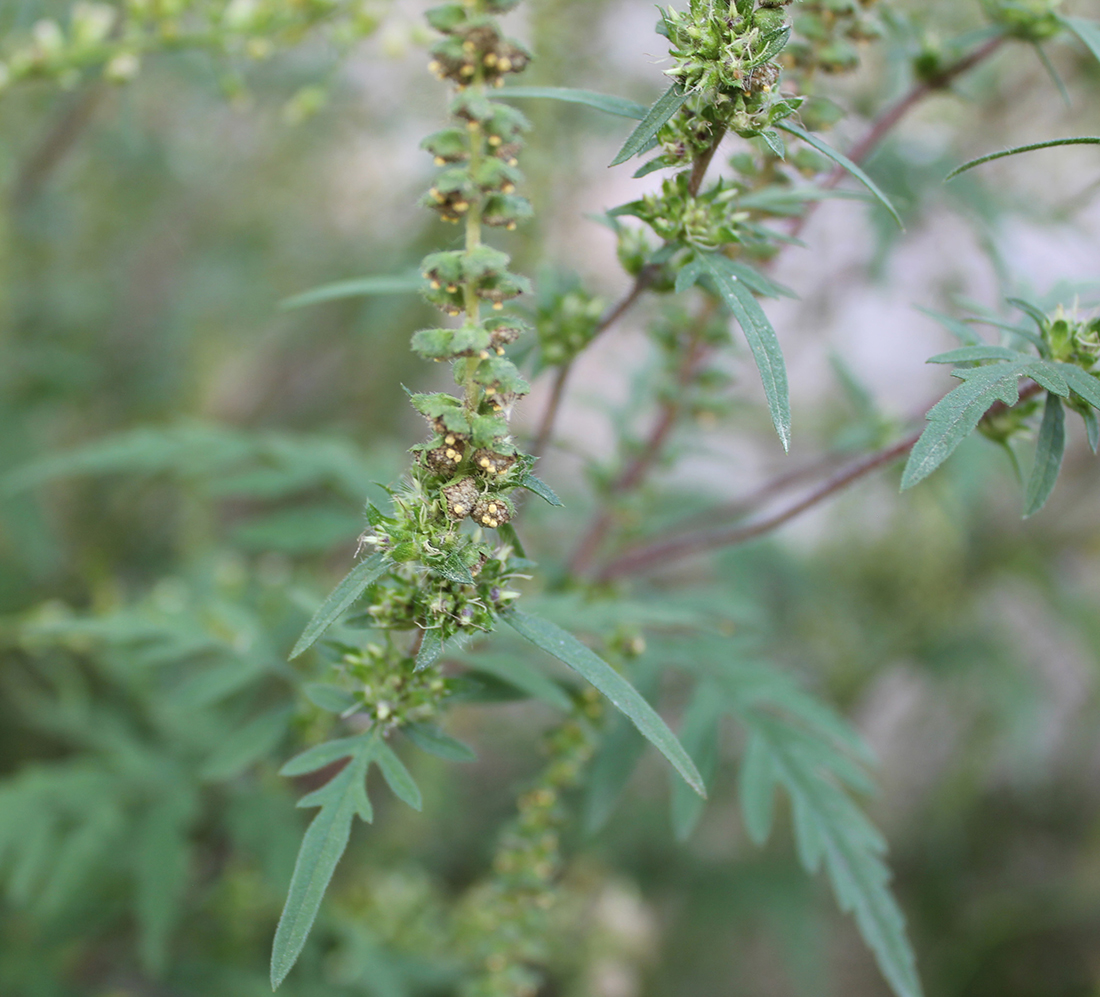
(435,612)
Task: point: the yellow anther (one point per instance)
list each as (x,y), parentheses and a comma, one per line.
(495,140)
(492,508)
(467,70)
(449,440)
(511,226)
(469,47)
(490,59)
(436,285)
(491,522)
(500,351)
(497,305)
(452,455)
(513,161)
(508,188)
(440,161)
(472,126)
(505,65)
(434,192)
(434,67)
(484,354)
(451,288)
(461,206)
(484,462)
(490,391)
(459,509)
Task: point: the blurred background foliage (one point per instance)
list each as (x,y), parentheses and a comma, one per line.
(184,469)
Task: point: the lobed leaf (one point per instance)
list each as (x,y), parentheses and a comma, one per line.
(324,843)
(566,648)
(364,574)
(619,106)
(843,161)
(655,119)
(1048,456)
(974,354)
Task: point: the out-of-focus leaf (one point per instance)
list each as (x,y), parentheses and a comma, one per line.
(843,161)
(253,742)
(360,287)
(619,106)
(1048,456)
(699,736)
(435,742)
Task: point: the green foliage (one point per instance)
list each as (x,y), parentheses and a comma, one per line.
(187,465)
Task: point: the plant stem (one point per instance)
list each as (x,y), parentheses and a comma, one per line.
(658,555)
(889,119)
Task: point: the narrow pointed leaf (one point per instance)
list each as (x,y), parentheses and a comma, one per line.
(361,287)
(330,698)
(338,600)
(665,107)
(1087,31)
(397,776)
(1092,428)
(843,161)
(431,649)
(321,755)
(566,648)
(1048,456)
(761,338)
(699,736)
(1052,143)
(960,330)
(435,742)
(542,490)
(757,791)
(619,106)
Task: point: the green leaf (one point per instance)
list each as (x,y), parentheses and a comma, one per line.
(847,164)
(244,747)
(973,354)
(960,330)
(1048,456)
(830,828)
(660,113)
(435,742)
(339,599)
(523,676)
(162,859)
(1081,382)
(330,698)
(699,736)
(957,415)
(757,791)
(761,338)
(321,755)
(397,776)
(360,287)
(431,649)
(325,840)
(542,490)
(619,106)
(1087,31)
(1052,143)
(1092,428)
(566,648)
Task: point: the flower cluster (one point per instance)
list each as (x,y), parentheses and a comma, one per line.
(112,40)
(445,577)
(707,220)
(505,922)
(1028,20)
(389,689)
(827,36)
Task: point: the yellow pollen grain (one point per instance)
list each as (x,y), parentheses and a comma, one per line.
(452,455)
(494,140)
(449,439)
(459,509)
(505,65)
(493,470)
(492,508)
(484,462)
(491,522)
